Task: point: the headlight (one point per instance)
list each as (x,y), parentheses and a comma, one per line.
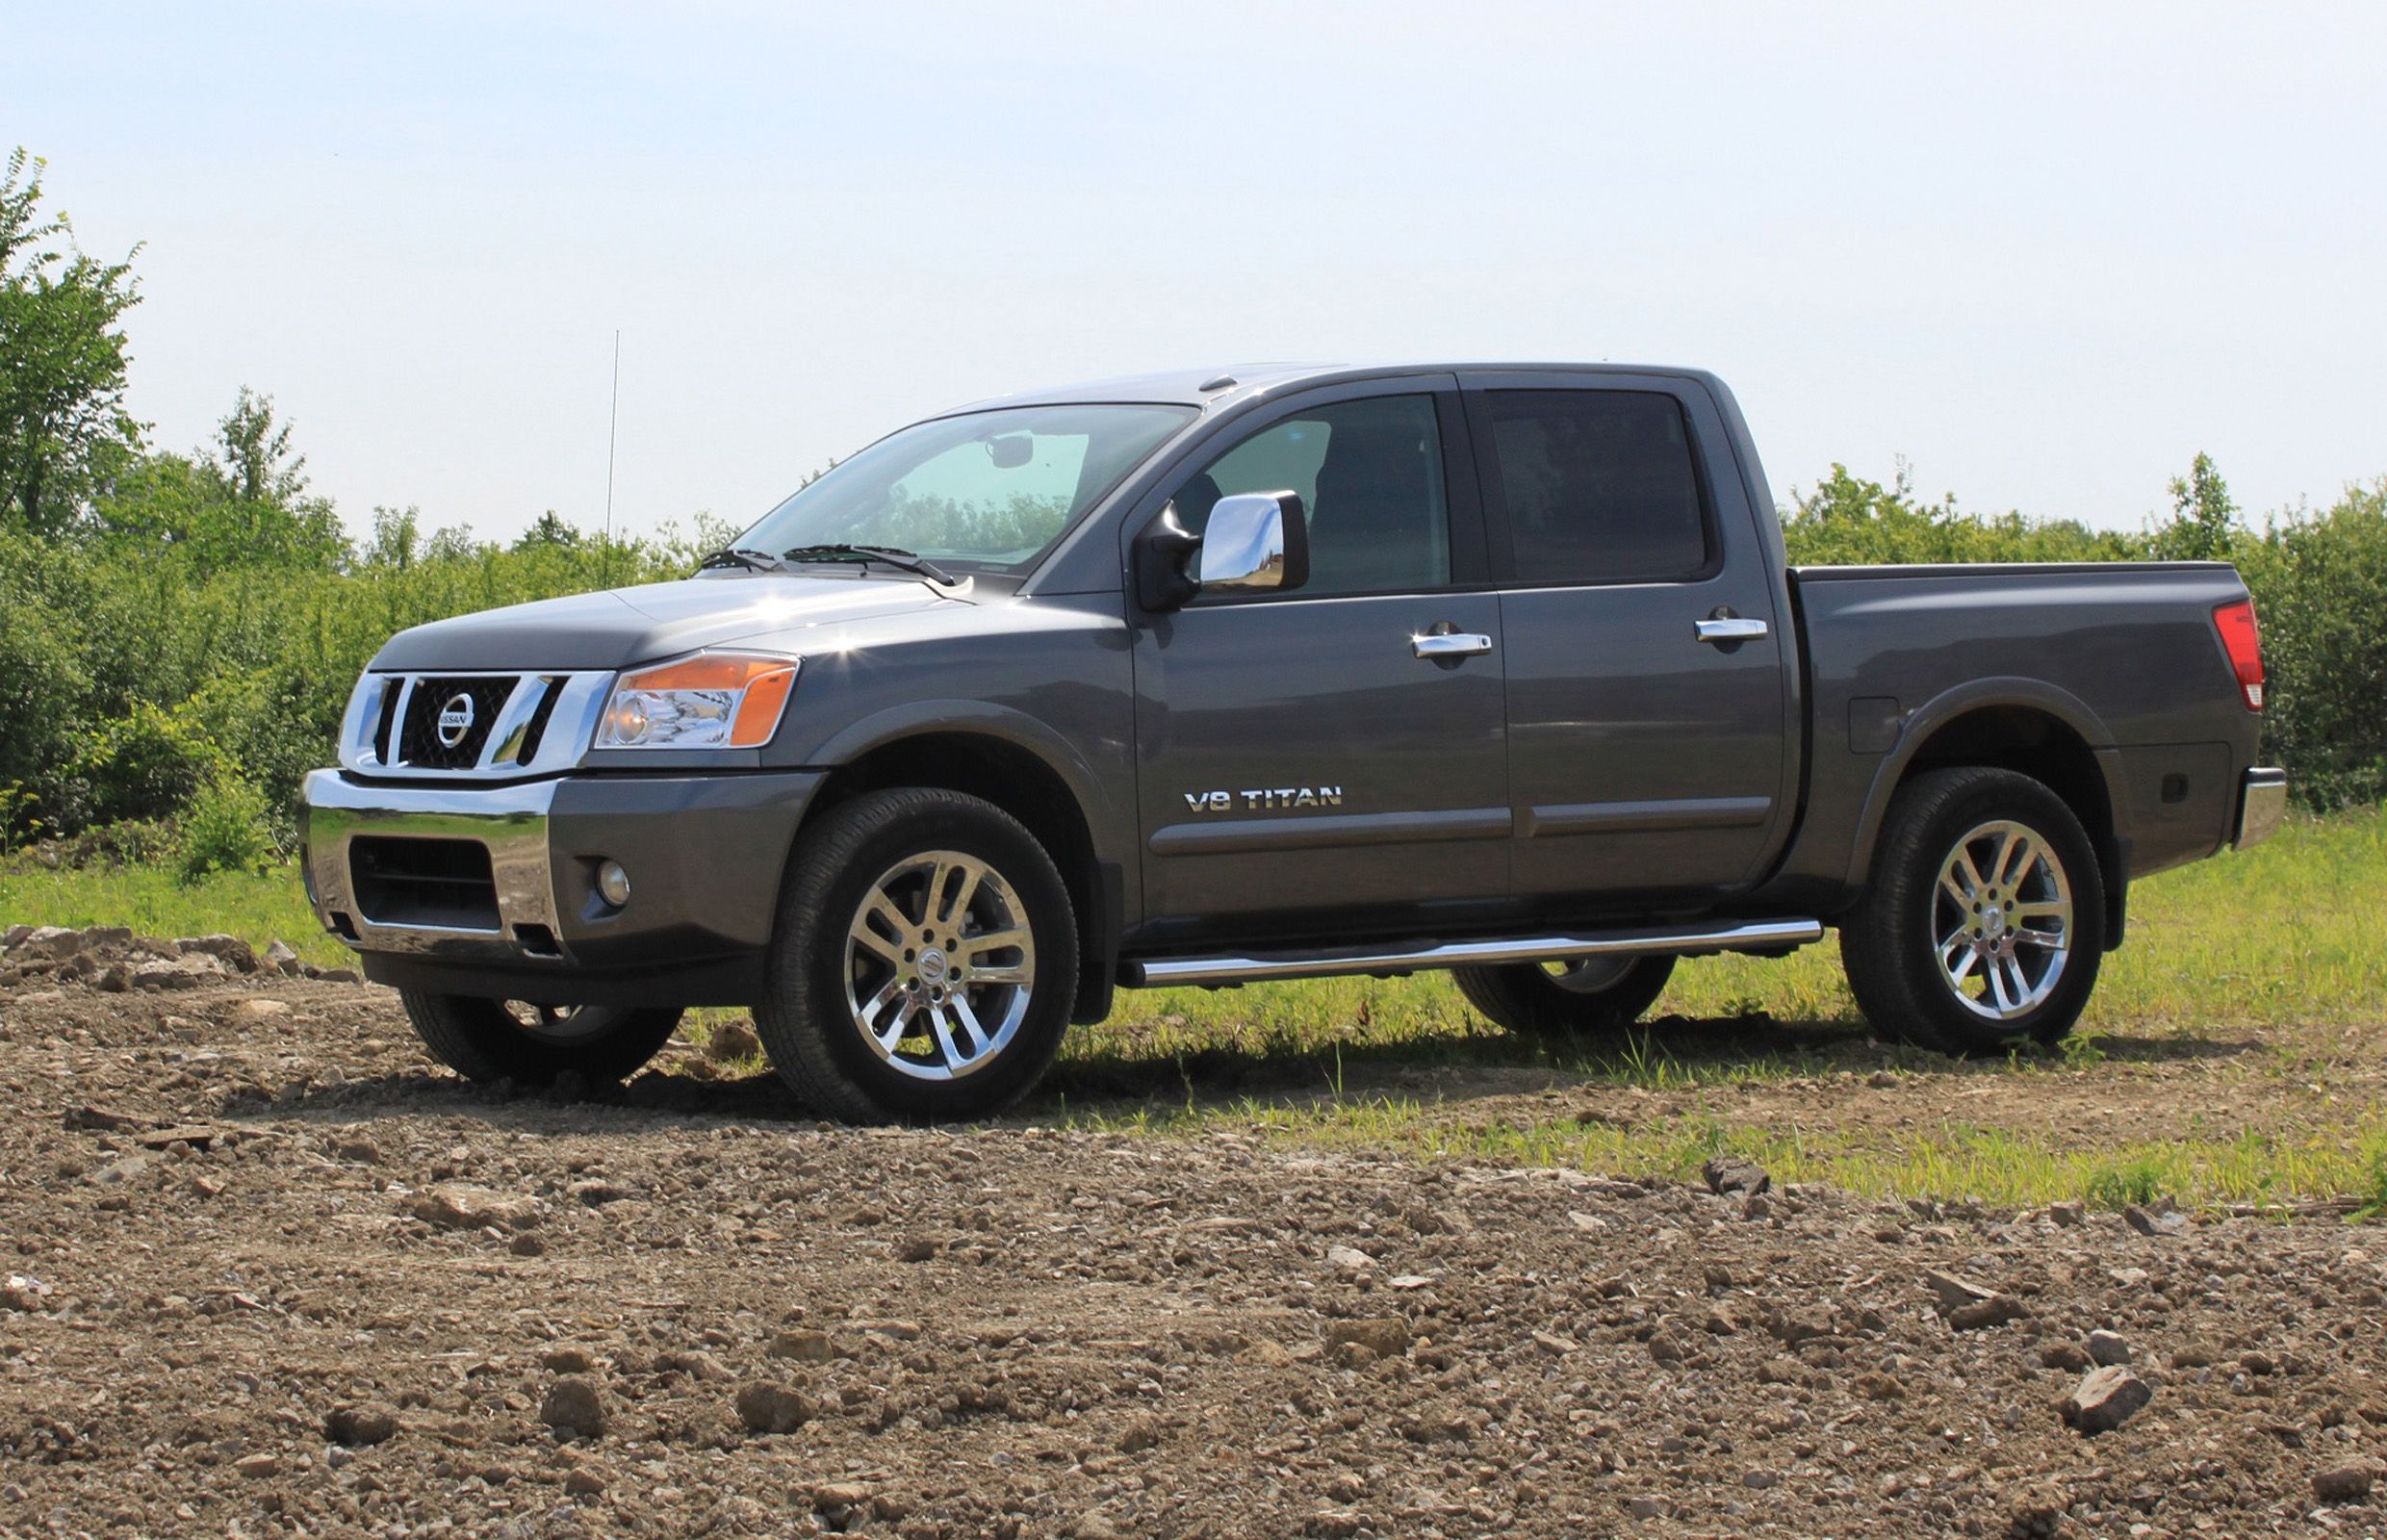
(711,701)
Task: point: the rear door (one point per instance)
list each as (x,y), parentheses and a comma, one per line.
(1304,766)
(1647,691)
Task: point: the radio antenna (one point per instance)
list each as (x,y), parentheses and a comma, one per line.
(613,427)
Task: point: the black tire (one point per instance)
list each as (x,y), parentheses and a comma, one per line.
(1528,997)
(1892,944)
(532,1046)
(823,981)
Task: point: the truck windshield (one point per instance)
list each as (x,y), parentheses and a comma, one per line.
(989,490)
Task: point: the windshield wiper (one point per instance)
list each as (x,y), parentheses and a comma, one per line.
(892,555)
(738,556)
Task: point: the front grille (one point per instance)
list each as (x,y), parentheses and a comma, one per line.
(536,732)
(389,721)
(419,742)
(443,883)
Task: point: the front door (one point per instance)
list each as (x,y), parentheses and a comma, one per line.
(1307,763)
(1647,683)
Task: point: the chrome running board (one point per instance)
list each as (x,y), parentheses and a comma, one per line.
(1754,936)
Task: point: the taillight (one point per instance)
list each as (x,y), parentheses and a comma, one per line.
(2242,640)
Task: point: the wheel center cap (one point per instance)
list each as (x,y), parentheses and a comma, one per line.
(932,966)
(1994,920)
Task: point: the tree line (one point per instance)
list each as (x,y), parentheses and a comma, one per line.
(179,630)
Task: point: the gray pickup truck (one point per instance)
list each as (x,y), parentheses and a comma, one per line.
(1271,674)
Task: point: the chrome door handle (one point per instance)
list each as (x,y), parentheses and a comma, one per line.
(1730,628)
(1451,644)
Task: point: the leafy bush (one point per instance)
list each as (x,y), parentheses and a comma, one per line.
(1848,521)
(135,667)
(125,676)
(225,830)
(2319,585)
(42,677)
(145,765)
(2318,582)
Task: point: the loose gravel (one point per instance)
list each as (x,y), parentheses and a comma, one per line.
(267,1273)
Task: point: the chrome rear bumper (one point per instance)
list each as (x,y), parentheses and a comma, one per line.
(2261,807)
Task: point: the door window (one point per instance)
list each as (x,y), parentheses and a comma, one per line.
(1599,485)
(1369,476)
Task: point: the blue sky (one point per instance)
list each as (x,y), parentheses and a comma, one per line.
(2046,252)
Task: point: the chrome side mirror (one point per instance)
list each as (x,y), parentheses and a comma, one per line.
(1255,542)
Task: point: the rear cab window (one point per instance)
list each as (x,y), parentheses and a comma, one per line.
(1600,486)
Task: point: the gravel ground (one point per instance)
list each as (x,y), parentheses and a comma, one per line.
(267,1273)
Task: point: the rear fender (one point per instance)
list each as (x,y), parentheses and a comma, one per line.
(1924,722)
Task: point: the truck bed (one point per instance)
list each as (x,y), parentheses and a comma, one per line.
(2120,656)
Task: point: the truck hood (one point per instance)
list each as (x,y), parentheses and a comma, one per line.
(618,627)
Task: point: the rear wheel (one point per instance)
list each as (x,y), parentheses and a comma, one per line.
(533,1044)
(1985,921)
(1583,997)
(924,962)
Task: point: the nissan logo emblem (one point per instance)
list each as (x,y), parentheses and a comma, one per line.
(455,720)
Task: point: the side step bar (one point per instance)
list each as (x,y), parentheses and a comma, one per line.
(1756,935)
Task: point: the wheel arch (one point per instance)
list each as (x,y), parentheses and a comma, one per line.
(2032,728)
(984,752)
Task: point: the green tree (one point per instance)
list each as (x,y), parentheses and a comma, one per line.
(455,543)
(253,455)
(62,421)
(240,501)
(1847,520)
(397,539)
(550,530)
(2319,583)
(2203,517)
(267,517)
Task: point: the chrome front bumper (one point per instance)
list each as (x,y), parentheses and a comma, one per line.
(2261,807)
(510,821)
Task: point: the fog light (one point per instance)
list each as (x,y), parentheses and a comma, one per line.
(613,884)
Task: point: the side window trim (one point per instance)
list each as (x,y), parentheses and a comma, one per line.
(1465,517)
(1501,537)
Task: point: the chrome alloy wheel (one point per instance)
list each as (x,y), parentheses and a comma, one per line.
(939,966)
(2002,920)
(1588,975)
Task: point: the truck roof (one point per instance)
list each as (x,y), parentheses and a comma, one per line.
(1224,383)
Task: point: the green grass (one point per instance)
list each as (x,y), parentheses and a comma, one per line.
(2267,946)
(2285,932)
(1995,1165)
(2261,960)
(155,901)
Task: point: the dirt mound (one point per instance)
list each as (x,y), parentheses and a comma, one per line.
(114,959)
(267,1273)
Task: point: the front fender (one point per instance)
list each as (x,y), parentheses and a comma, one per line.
(914,719)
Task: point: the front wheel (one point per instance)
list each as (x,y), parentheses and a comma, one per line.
(924,962)
(535,1045)
(1983,922)
(1581,997)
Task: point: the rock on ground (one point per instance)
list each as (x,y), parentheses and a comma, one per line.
(2106,1399)
(2349,1482)
(459,1206)
(574,1407)
(373,1422)
(769,1408)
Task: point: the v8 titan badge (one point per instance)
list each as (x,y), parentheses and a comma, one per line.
(1264,801)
